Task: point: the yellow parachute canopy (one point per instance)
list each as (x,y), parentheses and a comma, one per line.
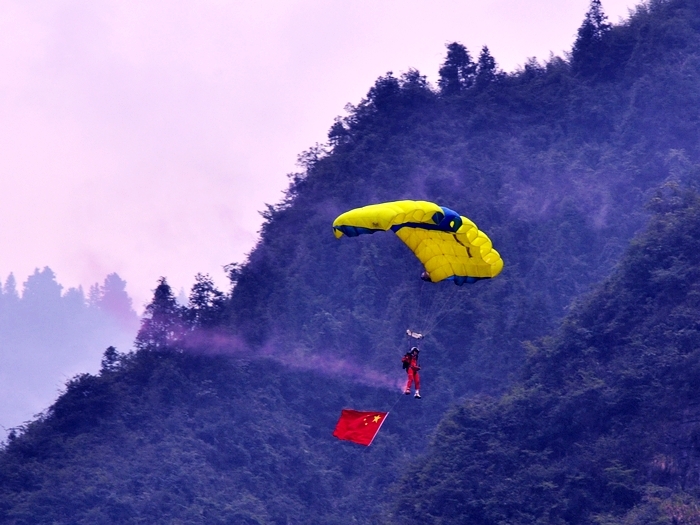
(449,246)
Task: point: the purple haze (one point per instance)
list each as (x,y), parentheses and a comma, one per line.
(219,342)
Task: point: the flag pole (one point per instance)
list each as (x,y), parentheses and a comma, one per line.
(380,427)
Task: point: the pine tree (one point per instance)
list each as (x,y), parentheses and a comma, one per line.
(338,134)
(206,303)
(383,94)
(111,299)
(110,359)
(589,45)
(162,323)
(74,301)
(485,69)
(41,289)
(116,302)
(9,290)
(458,70)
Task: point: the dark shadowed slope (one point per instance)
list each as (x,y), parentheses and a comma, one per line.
(604,426)
(165,437)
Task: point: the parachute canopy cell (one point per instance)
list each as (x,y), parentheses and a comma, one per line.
(449,245)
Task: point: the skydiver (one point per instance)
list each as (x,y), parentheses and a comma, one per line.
(410,364)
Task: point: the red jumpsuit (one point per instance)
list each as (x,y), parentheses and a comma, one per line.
(412,371)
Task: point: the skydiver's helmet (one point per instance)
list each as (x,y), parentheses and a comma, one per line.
(415,349)
(425,276)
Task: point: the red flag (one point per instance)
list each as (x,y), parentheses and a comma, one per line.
(359,427)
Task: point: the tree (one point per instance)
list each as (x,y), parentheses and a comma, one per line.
(206,303)
(485,69)
(111,300)
(9,298)
(41,288)
(161,325)
(110,359)
(74,301)
(384,93)
(114,300)
(458,70)
(589,45)
(10,288)
(233,272)
(338,134)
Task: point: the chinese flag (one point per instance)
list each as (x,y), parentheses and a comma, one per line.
(359,427)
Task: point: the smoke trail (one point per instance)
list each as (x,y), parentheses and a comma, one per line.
(216,342)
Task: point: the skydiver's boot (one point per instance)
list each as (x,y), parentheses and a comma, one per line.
(407,391)
(417,396)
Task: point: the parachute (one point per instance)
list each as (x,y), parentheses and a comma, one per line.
(449,245)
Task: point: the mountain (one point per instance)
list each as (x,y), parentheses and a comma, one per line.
(165,437)
(555,162)
(561,163)
(604,425)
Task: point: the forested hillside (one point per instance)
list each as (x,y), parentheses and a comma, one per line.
(166,437)
(604,425)
(224,412)
(554,162)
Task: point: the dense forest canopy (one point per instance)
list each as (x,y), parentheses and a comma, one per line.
(603,427)
(568,401)
(555,162)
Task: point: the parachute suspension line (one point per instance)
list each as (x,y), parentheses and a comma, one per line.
(450,306)
(398,398)
(372,264)
(417,317)
(401,394)
(412,335)
(438,308)
(426,307)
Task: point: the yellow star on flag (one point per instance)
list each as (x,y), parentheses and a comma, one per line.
(377,418)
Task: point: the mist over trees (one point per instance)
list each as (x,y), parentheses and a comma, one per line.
(562,391)
(48,334)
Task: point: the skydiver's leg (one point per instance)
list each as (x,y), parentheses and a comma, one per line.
(416,377)
(407,390)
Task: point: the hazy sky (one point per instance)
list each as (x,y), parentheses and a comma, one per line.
(143,137)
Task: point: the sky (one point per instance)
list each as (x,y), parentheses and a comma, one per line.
(144,137)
